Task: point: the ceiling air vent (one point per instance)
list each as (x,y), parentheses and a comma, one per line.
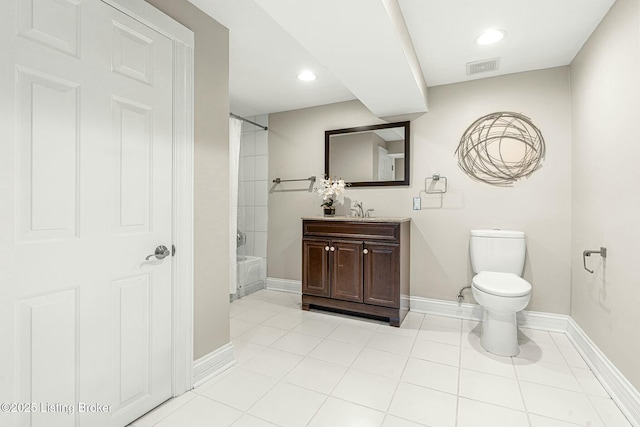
(484,66)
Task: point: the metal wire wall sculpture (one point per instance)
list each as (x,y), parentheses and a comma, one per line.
(501,148)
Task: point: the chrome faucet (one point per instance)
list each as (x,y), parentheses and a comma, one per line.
(241,238)
(360,212)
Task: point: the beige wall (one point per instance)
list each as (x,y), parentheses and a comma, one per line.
(352,156)
(540,206)
(605,80)
(211,182)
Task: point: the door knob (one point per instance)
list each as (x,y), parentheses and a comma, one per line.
(161,253)
(332,249)
(365,251)
(326,248)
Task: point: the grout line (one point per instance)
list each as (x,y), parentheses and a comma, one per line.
(414,338)
(580,384)
(277,382)
(457,414)
(524,403)
(326,398)
(337,382)
(133,423)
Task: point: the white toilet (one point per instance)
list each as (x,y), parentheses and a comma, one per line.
(497,256)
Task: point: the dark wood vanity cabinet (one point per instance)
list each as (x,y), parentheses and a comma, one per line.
(356,266)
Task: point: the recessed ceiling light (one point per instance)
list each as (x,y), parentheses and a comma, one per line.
(490,37)
(306,76)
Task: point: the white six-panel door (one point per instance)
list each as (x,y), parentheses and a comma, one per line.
(86,195)
(385,165)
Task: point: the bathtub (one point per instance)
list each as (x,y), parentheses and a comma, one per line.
(252,274)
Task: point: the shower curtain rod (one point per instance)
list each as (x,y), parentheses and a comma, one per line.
(248,121)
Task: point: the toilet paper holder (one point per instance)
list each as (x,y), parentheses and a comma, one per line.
(585,254)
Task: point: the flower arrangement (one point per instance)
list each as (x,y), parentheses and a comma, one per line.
(331,190)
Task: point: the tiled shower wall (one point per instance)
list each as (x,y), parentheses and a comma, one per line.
(253,187)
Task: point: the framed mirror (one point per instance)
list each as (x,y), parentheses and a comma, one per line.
(368,156)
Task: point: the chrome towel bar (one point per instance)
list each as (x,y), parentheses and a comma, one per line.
(277,181)
(434,179)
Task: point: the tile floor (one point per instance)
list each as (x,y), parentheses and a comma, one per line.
(298,368)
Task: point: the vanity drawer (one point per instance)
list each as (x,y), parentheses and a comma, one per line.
(352,229)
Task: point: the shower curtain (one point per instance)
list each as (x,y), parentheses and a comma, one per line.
(235,134)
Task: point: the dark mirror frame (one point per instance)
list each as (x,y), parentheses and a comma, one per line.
(407,157)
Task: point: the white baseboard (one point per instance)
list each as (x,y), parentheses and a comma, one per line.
(527,319)
(445,308)
(545,321)
(214,363)
(284,285)
(619,388)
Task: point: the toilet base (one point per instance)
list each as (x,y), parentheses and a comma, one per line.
(500,333)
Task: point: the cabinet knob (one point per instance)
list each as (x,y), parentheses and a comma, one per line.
(366,251)
(333,248)
(326,248)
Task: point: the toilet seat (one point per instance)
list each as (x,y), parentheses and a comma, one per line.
(501,284)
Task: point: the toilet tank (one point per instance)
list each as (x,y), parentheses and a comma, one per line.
(497,250)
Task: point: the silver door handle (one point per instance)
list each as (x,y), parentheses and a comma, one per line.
(161,253)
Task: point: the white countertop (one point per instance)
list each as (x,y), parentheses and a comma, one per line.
(356,219)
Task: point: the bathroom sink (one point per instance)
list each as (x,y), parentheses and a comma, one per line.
(358,219)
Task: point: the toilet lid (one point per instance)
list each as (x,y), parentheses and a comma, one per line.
(501,284)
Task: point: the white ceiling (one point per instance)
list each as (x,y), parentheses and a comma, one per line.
(364,49)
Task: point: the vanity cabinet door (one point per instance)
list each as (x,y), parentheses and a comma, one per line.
(346,270)
(382,274)
(315,267)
